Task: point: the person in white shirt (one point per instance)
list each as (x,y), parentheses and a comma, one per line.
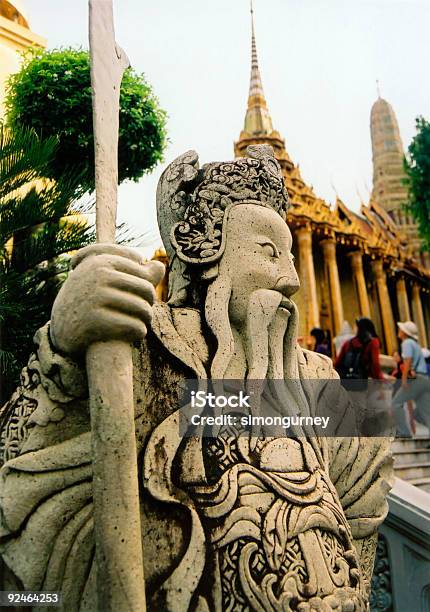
(415,382)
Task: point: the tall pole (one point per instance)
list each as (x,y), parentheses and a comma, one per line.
(119,557)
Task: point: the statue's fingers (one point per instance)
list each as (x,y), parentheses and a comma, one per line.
(132,284)
(157,271)
(120,326)
(152,271)
(107,249)
(128,304)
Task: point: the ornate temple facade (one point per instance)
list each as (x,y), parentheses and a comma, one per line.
(349,264)
(15,37)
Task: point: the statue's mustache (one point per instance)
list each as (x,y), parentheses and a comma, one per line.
(287,286)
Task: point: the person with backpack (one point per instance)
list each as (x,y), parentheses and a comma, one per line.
(415,381)
(357,362)
(358,359)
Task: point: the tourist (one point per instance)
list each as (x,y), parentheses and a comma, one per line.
(343,336)
(321,344)
(396,373)
(357,362)
(359,356)
(415,383)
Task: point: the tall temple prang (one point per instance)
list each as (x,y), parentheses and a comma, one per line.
(389,189)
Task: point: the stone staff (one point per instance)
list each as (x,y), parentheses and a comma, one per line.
(119,557)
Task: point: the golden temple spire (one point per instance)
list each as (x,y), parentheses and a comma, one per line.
(255,86)
(257,120)
(258,127)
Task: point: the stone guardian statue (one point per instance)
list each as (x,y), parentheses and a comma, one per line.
(229,522)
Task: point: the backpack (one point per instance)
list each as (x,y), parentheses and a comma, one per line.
(352,371)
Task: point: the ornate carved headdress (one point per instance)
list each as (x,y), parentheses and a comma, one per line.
(193,203)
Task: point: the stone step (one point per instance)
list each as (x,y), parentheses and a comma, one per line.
(422,483)
(413,455)
(411,471)
(410,443)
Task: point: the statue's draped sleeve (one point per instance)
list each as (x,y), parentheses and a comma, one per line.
(360,468)
(46,523)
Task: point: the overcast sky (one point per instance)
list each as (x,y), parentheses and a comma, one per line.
(319,61)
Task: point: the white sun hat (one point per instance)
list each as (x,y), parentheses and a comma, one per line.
(409,328)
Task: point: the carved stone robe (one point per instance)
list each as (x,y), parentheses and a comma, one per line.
(220,532)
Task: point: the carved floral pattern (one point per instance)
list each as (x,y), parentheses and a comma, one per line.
(381,598)
(16,413)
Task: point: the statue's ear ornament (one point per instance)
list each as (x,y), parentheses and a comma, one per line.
(199,200)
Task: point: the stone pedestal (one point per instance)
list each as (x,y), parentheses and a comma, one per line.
(387,318)
(360,282)
(402,300)
(307,278)
(329,250)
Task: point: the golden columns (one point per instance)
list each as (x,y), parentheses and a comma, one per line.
(385,306)
(307,278)
(418,314)
(329,250)
(360,283)
(402,300)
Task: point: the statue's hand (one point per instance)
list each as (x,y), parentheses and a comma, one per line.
(108,296)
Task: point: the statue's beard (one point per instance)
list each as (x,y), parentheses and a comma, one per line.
(269,333)
(269,336)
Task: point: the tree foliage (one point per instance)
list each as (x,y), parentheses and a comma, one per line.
(38,226)
(417,167)
(52,95)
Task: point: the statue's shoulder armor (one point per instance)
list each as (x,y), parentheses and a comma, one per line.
(317,365)
(49,384)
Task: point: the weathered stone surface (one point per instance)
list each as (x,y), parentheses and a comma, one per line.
(228,523)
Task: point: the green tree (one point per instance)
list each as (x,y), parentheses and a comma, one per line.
(417,165)
(38,227)
(52,95)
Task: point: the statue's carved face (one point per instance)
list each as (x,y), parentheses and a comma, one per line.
(257,256)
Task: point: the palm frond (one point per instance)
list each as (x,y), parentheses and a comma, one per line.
(24,157)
